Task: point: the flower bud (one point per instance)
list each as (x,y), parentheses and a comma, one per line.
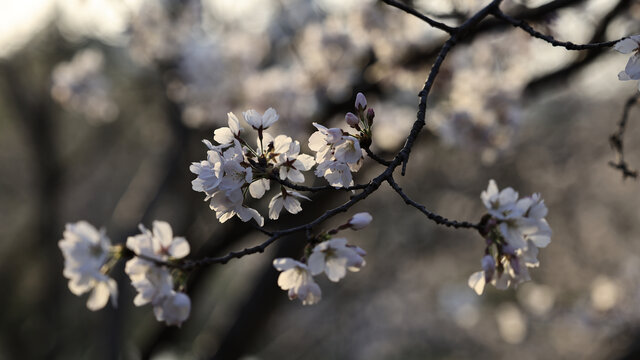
(352,119)
(370,115)
(360,220)
(361,102)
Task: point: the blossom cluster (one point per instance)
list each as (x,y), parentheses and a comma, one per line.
(234,167)
(630,45)
(331,256)
(514,230)
(89,256)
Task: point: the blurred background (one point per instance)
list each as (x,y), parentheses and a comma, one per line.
(103,105)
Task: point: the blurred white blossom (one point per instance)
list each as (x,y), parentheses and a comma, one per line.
(86,251)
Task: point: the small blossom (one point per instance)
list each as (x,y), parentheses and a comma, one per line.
(209,173)
(334,258)
(500,204)
(260,122)
(323,141)
(337,173)
(174,309)
(360,220)
(361,101)
(153,283)
(85,252)
(159,244)
(286,199)
(349,150)
(297,279)
(229,204)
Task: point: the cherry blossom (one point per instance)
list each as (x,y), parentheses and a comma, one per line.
(297,280)
(286,199)
(86,251)
(334,257)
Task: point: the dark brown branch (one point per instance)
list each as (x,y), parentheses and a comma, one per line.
(419,15)
(377,158)
(297,187)
(548,38)
(616,140)
(440,220)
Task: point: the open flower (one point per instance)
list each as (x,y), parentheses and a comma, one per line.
(334,258)
(229,204)
(159,244)
(85,251)
(286,199)
(297,279)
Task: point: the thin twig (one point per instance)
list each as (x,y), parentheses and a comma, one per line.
(440,220)
(616,141)
(548,38)
(297,187)
(436,24)
(377,158)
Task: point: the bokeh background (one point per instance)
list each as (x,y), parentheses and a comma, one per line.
(103,104)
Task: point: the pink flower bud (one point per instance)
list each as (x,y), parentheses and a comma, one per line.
(360,220)
(351,119)
(370,115)
(361,101)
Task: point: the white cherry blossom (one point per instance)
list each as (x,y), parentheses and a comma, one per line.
(85,251)
(229,204)
(258,121)
(297,279)
(158,244)
(174,309)
(153,283)
(334,258)
(209,173)
(337,173)
(286,199)
(349,150)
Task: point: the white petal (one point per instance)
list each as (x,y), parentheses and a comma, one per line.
(179,248)
(295,176)
(223,135)
(633,67)
(258,188)
(316,263)
(275,206)
(336,268)
(282,264)
(626,46)
(99,296)
(234,124)
(477,282)
(270,116)
(163,233)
